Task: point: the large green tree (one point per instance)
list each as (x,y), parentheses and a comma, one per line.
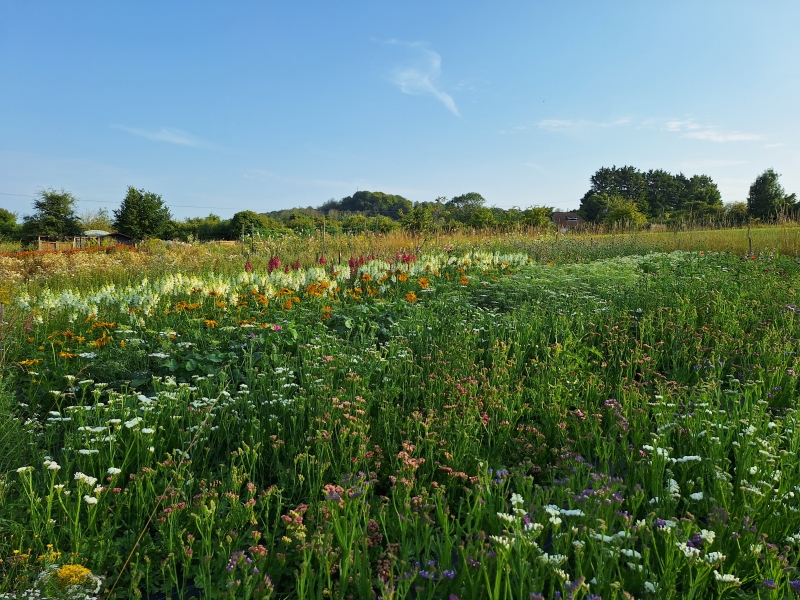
(624,213)
(538,216)
(142,215)
(462,207)
(656,194)
(99,220)
(54,216)
(767,198)
(371,204)
(8,224)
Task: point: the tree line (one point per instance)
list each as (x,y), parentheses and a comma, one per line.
(617,196)
(625,195)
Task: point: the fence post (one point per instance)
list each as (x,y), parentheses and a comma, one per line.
(2,324)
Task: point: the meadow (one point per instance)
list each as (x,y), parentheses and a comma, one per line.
(441,417)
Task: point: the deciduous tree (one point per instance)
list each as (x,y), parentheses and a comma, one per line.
(767,198)
(8,224)
(54,216)
(142,215)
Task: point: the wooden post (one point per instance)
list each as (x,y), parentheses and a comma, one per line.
(2,323)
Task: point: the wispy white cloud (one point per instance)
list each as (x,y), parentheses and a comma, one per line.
(166,134)
(689,128)
(567,125)
(774,145)
(419,76)
(572,125)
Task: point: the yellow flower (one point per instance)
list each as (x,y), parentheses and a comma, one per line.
(66,355)
(69,575)
(29,362)
(210,323)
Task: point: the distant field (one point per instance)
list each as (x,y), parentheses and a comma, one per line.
(470,416)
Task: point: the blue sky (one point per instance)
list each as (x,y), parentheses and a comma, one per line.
(232,106)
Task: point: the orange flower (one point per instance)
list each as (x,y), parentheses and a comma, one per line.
(366,277)
(101,341)
(66,355)
(411,297)
(463,280)
(288,304)
(424,283)
(210,323)
(327,313)
(402,277)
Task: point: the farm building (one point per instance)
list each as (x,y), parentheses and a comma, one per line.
(90,238)
(566,221)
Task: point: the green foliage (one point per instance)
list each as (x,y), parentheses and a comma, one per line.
(482,217)
(537,216)
(370,203)
(8,224)
(15,439)
(657,194)
(767,198)
(624,213)
(300,221)
(54,216)
(420,218)
(247,221)
(598,425)
(736,212)
(211,227)
(461,208)
(142,215)
(96,219)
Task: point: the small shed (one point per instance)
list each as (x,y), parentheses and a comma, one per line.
(98,237)
(566,221)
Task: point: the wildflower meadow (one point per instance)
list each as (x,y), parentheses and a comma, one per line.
(456,422)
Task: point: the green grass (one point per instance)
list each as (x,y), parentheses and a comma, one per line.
(615,421)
